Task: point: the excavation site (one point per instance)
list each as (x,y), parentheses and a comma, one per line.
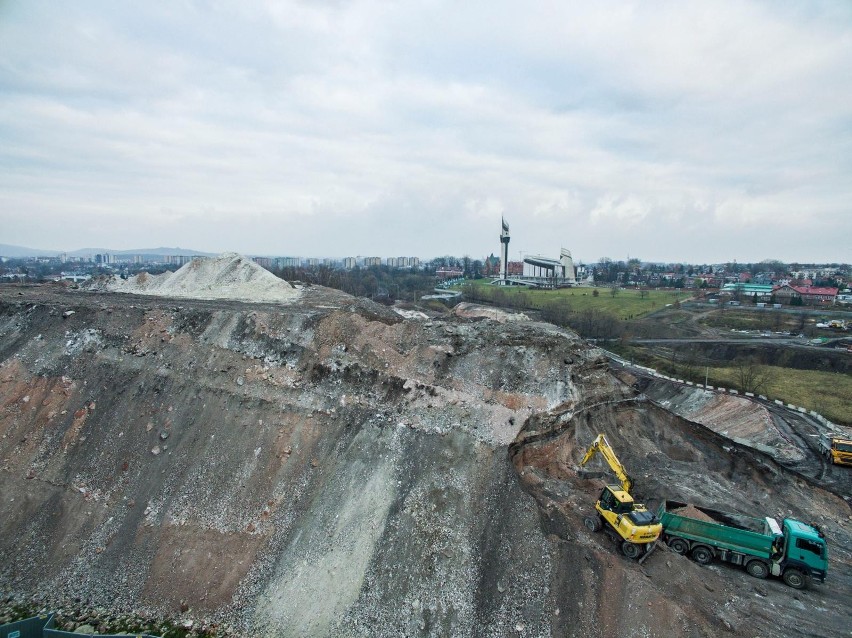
(215,452)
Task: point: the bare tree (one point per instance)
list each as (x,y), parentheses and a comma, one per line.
(690,365)
(673,361)
(752,377)
(557,311)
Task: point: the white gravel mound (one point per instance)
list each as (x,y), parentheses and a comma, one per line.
(411,314)
(228,276)
(475,311)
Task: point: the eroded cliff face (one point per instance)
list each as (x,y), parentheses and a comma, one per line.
(327,468)
(292,470)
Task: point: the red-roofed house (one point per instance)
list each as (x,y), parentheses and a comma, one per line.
(810,295)
(449,273)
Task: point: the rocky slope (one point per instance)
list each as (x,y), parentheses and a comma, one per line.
(326,467)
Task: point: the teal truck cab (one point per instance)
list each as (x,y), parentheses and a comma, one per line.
(794,551)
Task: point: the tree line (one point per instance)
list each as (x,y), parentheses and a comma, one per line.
(590,323)
(381,283)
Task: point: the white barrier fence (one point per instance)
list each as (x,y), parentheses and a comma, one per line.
(794,408)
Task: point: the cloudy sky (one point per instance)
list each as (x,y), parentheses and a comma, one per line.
(684,131)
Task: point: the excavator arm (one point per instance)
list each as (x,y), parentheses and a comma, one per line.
(631,523)
(602,446)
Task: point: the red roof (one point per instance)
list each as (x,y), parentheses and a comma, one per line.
(811,290)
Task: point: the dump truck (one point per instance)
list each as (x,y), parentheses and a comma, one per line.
(836,449)
(627,522)
(795,551)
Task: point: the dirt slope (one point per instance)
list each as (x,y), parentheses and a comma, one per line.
(327,468)
(790,437)
(296,469)
(675,459)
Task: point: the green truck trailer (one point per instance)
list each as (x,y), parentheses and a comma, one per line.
(794,551)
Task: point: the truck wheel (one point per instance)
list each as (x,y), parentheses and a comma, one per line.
(679,546)
(631,550)
(758,569)
(592,523)
(795,579)
(702,555)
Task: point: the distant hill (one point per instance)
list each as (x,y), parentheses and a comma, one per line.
(18,252)
(140,251)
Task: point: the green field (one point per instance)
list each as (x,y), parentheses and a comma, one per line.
(626,304)
(774,320)
(828,393)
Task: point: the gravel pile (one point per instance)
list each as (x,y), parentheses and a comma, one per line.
(228,276)
(690,511)
(475,311)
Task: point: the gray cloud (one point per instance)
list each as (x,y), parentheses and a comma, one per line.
(688,131)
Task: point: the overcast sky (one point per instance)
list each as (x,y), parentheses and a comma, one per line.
(684,131)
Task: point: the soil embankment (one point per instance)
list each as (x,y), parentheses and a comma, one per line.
(310,469)
(675,459)
(789,436)
(324,467)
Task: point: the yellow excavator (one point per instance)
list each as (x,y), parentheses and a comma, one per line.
(629,523)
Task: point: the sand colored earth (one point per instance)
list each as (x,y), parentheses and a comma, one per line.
(228,276)
(475,311)
(690,511)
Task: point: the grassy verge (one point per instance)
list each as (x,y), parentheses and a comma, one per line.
(829,393)
(765,319)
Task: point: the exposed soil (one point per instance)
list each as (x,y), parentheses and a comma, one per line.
(690,511)
(790,437)
(675,459)
(326,467)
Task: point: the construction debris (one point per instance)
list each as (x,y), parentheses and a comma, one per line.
(690,511)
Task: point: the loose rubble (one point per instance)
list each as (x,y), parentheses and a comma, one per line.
(371,475)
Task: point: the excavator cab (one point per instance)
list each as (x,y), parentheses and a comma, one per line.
(616,500)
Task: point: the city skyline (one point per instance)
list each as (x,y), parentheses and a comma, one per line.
(670,132)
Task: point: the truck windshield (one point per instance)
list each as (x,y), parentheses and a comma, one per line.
(843,447)
(810,546)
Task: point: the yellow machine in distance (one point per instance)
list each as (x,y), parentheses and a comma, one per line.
(837,449)
(630,523)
